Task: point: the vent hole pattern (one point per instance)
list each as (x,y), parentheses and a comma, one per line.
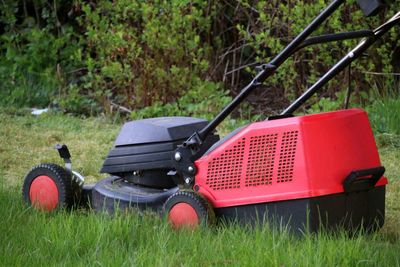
(260,165)
(224,172)
(287,156)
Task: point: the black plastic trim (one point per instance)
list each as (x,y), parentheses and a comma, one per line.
(354,211)
(362,179)
(115,193)
(142,149)
(370,7)
(162,164)
(143,158)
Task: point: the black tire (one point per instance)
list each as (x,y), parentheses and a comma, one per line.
(200,206)
(68,190)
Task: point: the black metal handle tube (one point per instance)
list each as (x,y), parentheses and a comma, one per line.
(327,38)
(342,64)
(276,62)
(292,47)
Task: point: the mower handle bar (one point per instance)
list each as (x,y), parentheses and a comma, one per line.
(328,38)
(320,39)
(198,138)
(302,40)
(185,154)
(343,63)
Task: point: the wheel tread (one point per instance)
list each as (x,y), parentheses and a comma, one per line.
(65,184)
(199,203)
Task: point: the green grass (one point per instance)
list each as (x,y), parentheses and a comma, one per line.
(80,238)
(385,113)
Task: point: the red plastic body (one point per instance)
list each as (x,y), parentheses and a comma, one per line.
(285,159)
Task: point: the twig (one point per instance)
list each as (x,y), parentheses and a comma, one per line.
(225,71)
(77,70)
(233,73)
(241,67)
(381,73)
(230,50)
(251,8)
(121,108)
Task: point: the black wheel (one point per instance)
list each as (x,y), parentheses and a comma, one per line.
(188,209)
(49,187)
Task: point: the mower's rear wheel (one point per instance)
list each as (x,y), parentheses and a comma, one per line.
(50,187)
(187,209)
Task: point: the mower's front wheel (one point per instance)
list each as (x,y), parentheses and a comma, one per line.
(50,187)
(187,209)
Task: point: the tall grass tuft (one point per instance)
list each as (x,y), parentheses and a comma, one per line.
(385,113)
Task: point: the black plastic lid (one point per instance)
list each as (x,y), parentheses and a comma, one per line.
(155,130)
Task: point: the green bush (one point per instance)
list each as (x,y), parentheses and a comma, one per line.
(147,53)
(169,57)
(204,100)
(36,51)
(265,27)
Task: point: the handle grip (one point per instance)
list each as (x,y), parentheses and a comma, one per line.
(63,151)
(360,180)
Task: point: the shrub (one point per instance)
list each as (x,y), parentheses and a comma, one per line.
(263,28)
(36,50)
(143,53)
(91,55)
(204,100)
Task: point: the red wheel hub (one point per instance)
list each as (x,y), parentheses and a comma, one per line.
(183,215)
(43,193)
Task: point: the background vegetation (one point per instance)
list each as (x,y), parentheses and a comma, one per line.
(177,57)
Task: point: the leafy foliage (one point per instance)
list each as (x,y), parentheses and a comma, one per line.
(36,50)
(264,28)
(161,57)
(142,53)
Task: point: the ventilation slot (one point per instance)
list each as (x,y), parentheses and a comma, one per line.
(260,164)
(224,172)
(287,157)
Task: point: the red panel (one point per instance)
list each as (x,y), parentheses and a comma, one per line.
(260,163)
(287,159)
(227,165)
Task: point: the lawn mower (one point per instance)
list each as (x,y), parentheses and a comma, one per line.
(307,172)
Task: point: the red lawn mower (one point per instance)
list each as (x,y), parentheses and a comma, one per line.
(307,172)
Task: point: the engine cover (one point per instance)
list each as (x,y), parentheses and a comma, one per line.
(148,144)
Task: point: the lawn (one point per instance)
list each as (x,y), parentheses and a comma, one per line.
(84,238)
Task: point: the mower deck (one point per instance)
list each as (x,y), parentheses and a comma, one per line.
(114,193)
(351,211)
